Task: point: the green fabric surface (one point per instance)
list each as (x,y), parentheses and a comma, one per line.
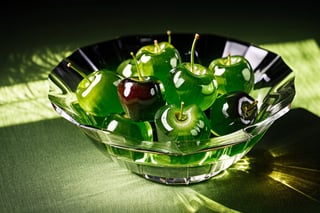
(48,165)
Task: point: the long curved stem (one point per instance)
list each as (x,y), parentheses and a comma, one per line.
(77,70)
(196,37)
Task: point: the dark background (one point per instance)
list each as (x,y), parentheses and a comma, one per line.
(34,24)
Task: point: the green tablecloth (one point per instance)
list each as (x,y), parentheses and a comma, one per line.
(48,165)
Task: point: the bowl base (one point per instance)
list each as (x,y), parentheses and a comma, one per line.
(180,175)
(180,181)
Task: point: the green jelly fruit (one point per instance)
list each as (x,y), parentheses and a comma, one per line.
(181,123)
(97,93)
(121,125)
(233,73)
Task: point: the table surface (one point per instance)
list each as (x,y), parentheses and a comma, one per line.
(48,165)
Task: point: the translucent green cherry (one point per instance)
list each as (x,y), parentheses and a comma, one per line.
(97,92)
(191,83)
(181,123)
(233,73)
(122,125)
(158,59)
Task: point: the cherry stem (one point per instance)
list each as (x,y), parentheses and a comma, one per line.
(229,59)
(169,36)
(196,37)
(247,109)
(156,46)
(69,65)
(213,132)
(180,117)
(137,66)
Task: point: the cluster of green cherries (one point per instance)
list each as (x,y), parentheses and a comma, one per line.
(155,96)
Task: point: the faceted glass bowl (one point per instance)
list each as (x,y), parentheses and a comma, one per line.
(182,162)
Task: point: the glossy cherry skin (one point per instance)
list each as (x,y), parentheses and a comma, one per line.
(231,112)
(158,60)
(120,124)
(192,125)
(233,73)
(196,85)
(140,98)
(97,93)
(128,68)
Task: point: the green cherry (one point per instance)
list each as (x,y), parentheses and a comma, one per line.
(159,58)
(191,83)
(127,68)
(181,123)
(97,92)
(233,73)
(122,125)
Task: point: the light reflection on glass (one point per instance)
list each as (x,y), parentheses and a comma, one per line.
(243,165)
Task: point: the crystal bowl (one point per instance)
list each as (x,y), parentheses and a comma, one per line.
(180,162)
